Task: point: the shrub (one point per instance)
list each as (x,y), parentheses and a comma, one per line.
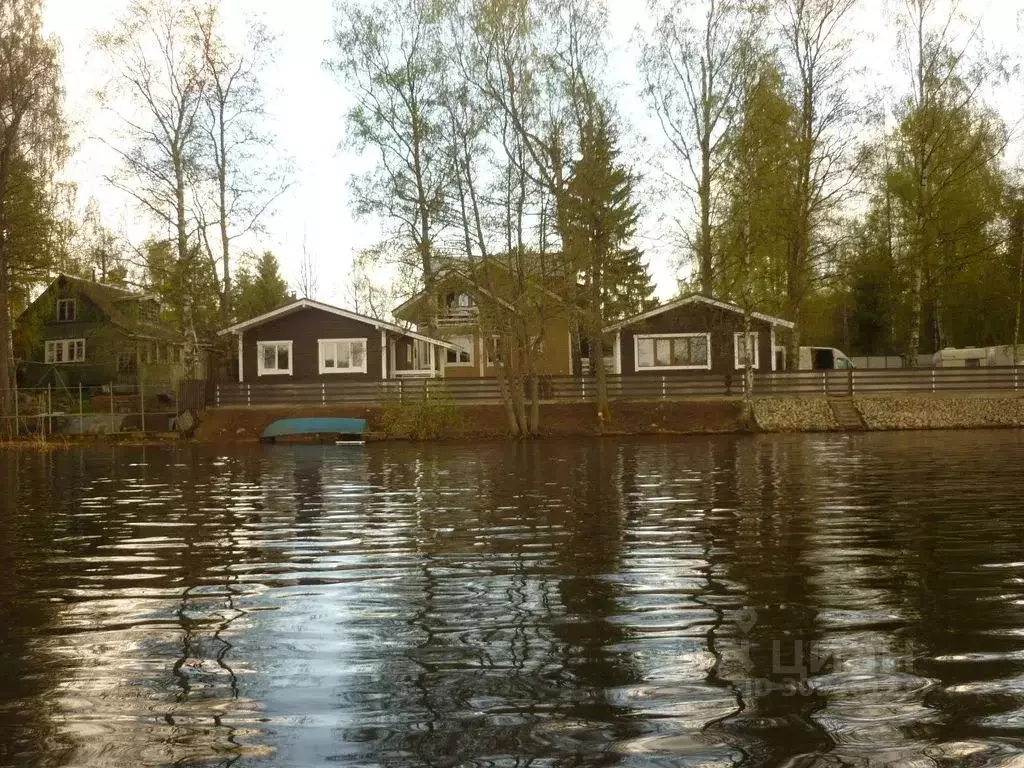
(426,419)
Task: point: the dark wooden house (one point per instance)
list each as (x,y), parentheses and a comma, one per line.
(82,332)
(309,341)
(693,334)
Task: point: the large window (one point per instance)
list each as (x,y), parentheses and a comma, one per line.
(464,355)
(65,351)
(67,310)
(673,352)
(739,350)
(342,355)
(274,358)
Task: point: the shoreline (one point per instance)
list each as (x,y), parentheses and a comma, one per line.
(697,416)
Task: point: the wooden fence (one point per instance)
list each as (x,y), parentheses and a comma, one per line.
(845,383)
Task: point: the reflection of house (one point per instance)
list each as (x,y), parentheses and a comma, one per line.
(310,341)
(693,333)
(468,305)
(79,331)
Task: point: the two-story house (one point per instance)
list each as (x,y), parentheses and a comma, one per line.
(82,332)
(469,305)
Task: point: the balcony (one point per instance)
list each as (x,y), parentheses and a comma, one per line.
(451,317)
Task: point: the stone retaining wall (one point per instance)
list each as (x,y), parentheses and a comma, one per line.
(794,414)
(940,412)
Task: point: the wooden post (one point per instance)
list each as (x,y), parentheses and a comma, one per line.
(49,411)
(111,407)
(17,421)
(248,394)
(851,382)
(933,381)
(81,423)
(662,384)
(216,394)
(142,403)
(323,393)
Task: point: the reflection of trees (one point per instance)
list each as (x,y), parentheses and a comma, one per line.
(765,560)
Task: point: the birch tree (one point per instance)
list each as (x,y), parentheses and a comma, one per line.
(241,177)
(158,92)
(815,50)
(388,57)
(32,132)
(692,77)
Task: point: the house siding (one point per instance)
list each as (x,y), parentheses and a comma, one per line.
(554,359)
(304,328)
(698,318)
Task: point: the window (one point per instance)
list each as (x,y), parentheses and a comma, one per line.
(65,351)
(342,355)
(459,301)
(672,351)
(739,350)
(67,310)
(126,363)
(464,355)
(273,358)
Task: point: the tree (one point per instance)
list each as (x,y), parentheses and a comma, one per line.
(259,287)
(160,72)
(182,287)
(243,182)
(309,280)
(692,79)
(815,55)
(759,186)
(600,216)
(388,56)
(32,132)
(947,148)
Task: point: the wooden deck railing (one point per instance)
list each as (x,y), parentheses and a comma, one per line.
(846,383)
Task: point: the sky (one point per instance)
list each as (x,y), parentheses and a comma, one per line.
(307,107)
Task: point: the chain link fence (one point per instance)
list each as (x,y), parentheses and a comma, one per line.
(108,409)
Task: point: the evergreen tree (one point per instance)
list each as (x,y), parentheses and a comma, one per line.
(258,286)
(600,218)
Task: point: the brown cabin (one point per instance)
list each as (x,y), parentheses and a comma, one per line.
(308,341)
(693,334)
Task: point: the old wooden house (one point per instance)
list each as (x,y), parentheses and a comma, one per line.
(83,332)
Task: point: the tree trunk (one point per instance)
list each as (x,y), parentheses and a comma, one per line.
(916,311)
(1020,298)
(225,240)
(534,401)
(7,426)
(704,251)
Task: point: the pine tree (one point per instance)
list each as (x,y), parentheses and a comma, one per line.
(600,218)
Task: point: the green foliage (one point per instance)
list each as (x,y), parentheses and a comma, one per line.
(258,286)
(428,419)
(760,182)
(182,286)
(600,215)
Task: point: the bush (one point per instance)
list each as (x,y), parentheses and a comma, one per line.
(428,419)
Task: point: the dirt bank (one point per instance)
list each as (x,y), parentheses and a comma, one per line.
(710,416)
(930,412)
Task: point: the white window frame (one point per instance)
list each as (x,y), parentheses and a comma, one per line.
(261,371)
(73,303)
(66,345)
(642,336)
(471,351)
(736,350)
(320,343)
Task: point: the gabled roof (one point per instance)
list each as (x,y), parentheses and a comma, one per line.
(109,299)
(697,298)
(461,269)
(300,304)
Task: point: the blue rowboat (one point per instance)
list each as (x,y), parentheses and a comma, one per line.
(344,430)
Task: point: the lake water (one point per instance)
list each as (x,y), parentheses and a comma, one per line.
(763,601)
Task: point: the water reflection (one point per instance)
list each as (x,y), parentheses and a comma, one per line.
(806,600)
